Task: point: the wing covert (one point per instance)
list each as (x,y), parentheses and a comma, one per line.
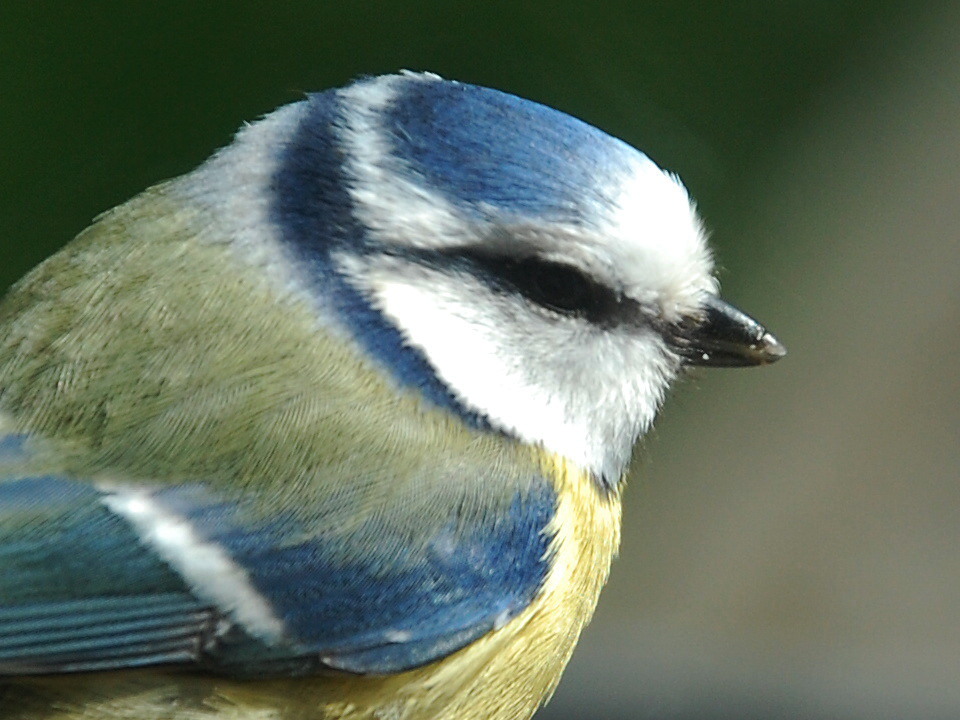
(107,577)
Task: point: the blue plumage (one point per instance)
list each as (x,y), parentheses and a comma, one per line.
(12,447)
(315,215)
(310,199)
(365,614)
(389,612)
(351,401)
(488,152)
(40,517)
(66,598)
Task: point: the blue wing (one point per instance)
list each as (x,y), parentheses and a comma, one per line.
(77,590)
(101,576)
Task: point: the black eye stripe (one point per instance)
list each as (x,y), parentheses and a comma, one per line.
(558,287)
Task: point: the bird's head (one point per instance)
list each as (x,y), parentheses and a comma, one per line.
(517,266)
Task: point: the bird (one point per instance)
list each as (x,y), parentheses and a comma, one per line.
(337,424)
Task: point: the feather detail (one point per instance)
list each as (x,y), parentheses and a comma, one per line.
(505,675)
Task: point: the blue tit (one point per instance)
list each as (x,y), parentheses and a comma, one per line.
(335,426)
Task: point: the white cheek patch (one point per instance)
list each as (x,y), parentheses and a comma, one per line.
(581,392)
(462,347)
(205,566)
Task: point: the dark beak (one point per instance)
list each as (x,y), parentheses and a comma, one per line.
(723,336)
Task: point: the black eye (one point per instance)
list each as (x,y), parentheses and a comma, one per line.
(555,286)
(558,287)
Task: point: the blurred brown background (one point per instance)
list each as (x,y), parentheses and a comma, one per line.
(792,538)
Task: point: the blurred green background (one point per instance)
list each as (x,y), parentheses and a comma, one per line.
(792,536)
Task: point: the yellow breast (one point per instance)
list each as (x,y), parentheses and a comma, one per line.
(509,673)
